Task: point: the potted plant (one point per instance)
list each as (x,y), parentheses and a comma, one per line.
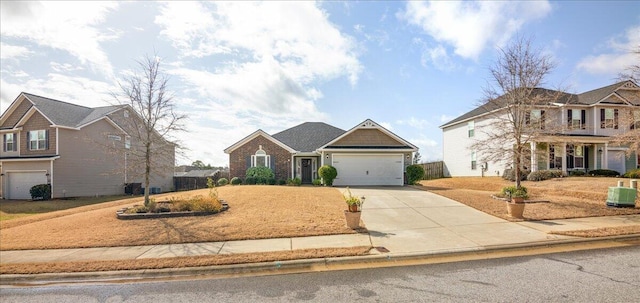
(354,209)
(516,197)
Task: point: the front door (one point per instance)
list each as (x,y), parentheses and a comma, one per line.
(306,170)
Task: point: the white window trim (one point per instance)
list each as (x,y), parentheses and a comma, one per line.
(260,153)
(37,139)
(471,129)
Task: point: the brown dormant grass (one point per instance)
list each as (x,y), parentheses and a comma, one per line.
(560,198)
(256,212)
(178,262)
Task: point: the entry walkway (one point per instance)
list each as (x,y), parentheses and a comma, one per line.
(401,220)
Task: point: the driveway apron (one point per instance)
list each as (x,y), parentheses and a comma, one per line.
(408,220)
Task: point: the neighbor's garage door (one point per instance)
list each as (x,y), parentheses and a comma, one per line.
(368,169)
(19,183)
(617,161)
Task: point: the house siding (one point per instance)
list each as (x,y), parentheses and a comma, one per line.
(367,137)
(280,157)
(37,122)
(17,114)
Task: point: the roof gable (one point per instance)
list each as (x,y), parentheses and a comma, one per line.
(369,134)
(252,136)
(308,136)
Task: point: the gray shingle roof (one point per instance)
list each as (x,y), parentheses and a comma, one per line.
(308,136)
(593,96)
(67,114)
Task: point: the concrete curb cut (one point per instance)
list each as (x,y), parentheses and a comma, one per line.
(278,267)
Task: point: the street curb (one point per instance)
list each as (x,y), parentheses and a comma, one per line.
(281,267)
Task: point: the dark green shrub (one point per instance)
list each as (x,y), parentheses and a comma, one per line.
(317,182)
(272,181)
(328,173)
(510,174)
(260,172)
(223,182)
(634,173)
(577,173)
(294,182)
(40,192)
(282,182)
(542,175)
(250,180)
(236,181)
(415,173)
(604,173)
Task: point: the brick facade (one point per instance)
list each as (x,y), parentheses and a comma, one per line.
(240,158)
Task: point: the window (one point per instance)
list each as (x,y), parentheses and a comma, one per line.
(554,162)
(576,118)
(578,156)
(114,137)
(10,143)
(608,118)
(636,120)
(473,160)
(38,139)
(260,158)
(471,126)
(535,118)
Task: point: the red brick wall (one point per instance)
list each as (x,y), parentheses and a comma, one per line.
(238,159)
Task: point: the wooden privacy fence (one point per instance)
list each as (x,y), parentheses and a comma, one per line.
(190,183)
(433,170)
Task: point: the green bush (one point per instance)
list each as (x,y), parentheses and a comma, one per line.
(223,182)
(577,173)
(294,182)
(512,191)
(415,173)
(634,173)
(260,172)
(282,182)
(317,182)
(542,175)
(40,192)
(604,173)
(510,174)
(328,173)
(236,181)
(250,180)
(271,181)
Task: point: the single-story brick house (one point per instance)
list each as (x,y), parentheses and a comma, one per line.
(367,154)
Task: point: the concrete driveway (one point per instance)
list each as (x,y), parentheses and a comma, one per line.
(408,220)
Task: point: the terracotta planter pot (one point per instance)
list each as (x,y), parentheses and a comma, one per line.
(353,208)
(353,219)
(515,210)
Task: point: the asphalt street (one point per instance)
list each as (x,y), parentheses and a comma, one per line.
(606,275)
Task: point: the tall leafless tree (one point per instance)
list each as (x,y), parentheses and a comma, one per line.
(630,120)
(510,97)
(155,120)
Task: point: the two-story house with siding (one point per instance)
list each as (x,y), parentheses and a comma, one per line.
(579,130)
(79,151)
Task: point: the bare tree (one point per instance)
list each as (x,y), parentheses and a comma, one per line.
(154,121)
(515,104)
(632,72)
(630,120)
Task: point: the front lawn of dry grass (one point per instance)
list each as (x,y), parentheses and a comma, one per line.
(560,198)
(12,209)
(256,212)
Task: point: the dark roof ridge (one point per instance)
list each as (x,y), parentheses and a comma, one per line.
(56,100)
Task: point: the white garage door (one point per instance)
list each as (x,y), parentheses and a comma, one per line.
(19,183)
(616,161)
(368,169)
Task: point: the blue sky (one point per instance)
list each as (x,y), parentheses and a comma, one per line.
(236,67)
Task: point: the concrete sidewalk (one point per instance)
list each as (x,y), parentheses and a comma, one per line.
(401,220)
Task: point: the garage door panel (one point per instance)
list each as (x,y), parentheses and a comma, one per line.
(19,183)
(362,169)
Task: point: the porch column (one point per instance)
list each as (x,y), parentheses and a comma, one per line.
(534,156)
(605,156)
(564,157)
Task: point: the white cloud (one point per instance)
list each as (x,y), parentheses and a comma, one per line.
(415,123)
(446,118)
(67,26)
(428,148)
(618,57)
(13,52)
(470,27)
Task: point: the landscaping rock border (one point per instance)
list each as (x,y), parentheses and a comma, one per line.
(120,214)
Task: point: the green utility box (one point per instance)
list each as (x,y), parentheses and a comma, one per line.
(621,197)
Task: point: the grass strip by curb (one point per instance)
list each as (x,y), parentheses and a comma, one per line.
(600,232)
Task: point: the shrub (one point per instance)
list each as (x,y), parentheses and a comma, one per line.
(542,175)
(236,181)
(415,173)
(512,191)
(294,182)
(510,174)
(634,173)
(260,172)
(282,182)
(40,192)
(250,180)
(317,182)
(223,182)
(604,173)
(576,173)
(271,181)
(197,203)
(328,173)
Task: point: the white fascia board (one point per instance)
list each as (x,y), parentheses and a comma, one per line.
(30,159)
(614,94)
(10,130)
(252,136)
(13,107)
(367,151)
(30,113)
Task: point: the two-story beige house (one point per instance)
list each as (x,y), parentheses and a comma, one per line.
(577,133)
(79,151)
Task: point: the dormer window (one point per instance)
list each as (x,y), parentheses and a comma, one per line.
(260,158)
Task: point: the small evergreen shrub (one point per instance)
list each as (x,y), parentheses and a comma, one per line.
(282,182)
(604,173)
(223,182)
(294,182)
(40,192)
(236,181)
(634,173)
(260,172)
(271,181)
(415,173)
(317,182)
(328,173)
(250,180)
(577,173)
(510,174)
(542,175)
